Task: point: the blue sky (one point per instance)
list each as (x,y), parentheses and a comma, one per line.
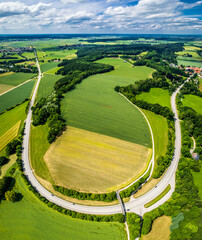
(108,16)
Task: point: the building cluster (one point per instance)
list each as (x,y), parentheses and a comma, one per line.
(16,50)
(189,70)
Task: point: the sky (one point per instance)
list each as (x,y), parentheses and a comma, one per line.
(108,16)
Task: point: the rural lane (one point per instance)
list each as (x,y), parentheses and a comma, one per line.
(134,205)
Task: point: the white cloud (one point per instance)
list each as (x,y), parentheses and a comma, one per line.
(192,5)
(72,1)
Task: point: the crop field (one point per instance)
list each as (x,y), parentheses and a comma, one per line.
(64,54)
(160,229)
(48,66)
(38,147)
(160,131)
(16,96)
(15,78)
(193,101)
(95,106)
(29,55)
(46,85)
(4,88)
(53,71)
(188,61)
(44,223)
(80,157)
(9,135)
(156,95)
(11,117)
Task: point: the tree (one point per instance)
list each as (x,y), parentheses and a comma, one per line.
(11,196)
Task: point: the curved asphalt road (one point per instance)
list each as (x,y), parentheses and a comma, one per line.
(134,205)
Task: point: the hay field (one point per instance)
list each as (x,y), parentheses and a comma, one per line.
(9,135)
(194,102)
(160,229)
(91,162)
(4,88)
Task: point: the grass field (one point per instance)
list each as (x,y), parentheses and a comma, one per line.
(160,131)
(48,66)
(53,71)
(95,106)
(189,61)
(7,166)
(156,95)
(31,219)
(165,191)
(9,135)
(46,85)
(4,88)
(193,101)
(197,180)
(12,117)
(200,86)
(38,147)
(15,78)
(16,96)
(79,158)
(64,54)
(29,55)
(160,229)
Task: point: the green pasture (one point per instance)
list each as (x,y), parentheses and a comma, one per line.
(188,61)
(46,85)
(31,219)
(160,131)
(16,78)
(197,180)
(48,66)
(53,71)
(16,95)
(193,101)
(156,95)
(95,106)
(38,147)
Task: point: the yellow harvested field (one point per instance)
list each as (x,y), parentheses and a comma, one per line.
(9,135)
(160,229)
(6,73)
(91,162)
(5,87)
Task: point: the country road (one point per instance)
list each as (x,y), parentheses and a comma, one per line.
(134,205)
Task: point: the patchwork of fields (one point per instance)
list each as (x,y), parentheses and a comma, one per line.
(156,95)
(79,158)
(16,95)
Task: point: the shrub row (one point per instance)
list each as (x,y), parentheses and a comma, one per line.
(105,197)
(135,187)
(134,224)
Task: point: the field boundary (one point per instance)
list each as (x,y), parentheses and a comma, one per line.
(15,87)
(9,135)
(151,163)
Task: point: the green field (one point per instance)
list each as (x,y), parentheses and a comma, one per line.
(95,106)
(38,147)
(4,88)
(31,219)
(60,54)
(48,66)
(188,61)
(160,131)
(197,180)
(193,101)
(29,55)
(16,95)
(16,78)
(156,95)
(10,118)
(46,85)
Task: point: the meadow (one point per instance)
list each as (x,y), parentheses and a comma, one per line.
(156,95)
(63,54)
(29,55)
(197,180)
(15,79)
(48,66)
(31,219)
(95,106)
(160,229)
(16,95)
(193,101)
(80,157)
(188,61)
(38,147)
(46,85)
